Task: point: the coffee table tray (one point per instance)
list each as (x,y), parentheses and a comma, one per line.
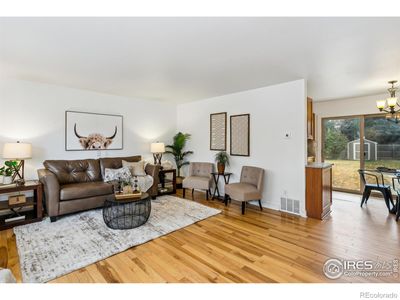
(125,196)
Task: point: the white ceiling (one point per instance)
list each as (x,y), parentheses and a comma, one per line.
(185,59)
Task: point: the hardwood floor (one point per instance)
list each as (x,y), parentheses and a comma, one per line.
(266,246)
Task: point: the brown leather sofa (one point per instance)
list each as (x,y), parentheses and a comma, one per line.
(76,185)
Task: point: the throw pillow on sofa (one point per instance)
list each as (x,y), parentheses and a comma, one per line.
(123,174)
(136,168)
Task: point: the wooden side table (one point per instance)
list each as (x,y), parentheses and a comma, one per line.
(32,215)
(167,186)
(216,176)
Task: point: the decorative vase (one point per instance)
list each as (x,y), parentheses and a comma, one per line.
(7,180)
(221,168)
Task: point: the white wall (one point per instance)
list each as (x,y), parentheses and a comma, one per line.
(343,107)
(35,113)
(274,110)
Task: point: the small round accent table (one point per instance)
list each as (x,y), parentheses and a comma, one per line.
(127,213)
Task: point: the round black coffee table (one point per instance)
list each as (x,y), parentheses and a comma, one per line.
(127,213)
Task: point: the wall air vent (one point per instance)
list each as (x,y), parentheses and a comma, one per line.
(290,205)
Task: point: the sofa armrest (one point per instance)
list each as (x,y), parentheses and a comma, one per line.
(51,191)
(153,170)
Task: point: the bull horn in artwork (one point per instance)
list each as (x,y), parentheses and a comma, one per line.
(76,133)
(113,136)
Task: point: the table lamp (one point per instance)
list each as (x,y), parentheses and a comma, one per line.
(19,152)
(157,149)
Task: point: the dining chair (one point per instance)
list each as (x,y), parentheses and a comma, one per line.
(396,188)
(376,186)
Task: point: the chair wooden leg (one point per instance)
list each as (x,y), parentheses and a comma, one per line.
(259,203)
(226,199)
(243,207)
(192,194)
(206,194)
(184,192)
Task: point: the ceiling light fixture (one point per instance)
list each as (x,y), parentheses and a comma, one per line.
(390,105)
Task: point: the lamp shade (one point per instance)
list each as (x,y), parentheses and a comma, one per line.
(392,101)
(381,104)
(17,150)
(157,147)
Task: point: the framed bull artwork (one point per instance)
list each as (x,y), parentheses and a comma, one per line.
(92,131)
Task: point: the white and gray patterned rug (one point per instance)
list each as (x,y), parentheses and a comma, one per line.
(49,250)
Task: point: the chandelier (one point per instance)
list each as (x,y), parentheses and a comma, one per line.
(390,105)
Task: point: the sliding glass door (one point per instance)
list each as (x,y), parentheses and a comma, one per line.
(359,142)
(341,147)
(383,138)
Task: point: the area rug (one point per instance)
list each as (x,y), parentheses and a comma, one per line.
(49,250)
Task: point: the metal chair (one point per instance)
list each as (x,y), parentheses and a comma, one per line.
(380,187)
(397,190)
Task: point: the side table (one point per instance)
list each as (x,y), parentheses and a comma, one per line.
(167,186)
(216,176)
(29,216)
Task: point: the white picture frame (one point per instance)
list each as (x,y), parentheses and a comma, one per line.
(85,131)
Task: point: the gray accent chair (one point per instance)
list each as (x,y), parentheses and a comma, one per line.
(249,188)
(199,178)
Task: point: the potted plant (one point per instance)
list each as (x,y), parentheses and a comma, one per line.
(176,149)
(222,160)
(2,172)
(9,170)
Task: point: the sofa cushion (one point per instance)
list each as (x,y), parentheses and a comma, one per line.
(116,162)
(85,190)
(74,171)
(136,168)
